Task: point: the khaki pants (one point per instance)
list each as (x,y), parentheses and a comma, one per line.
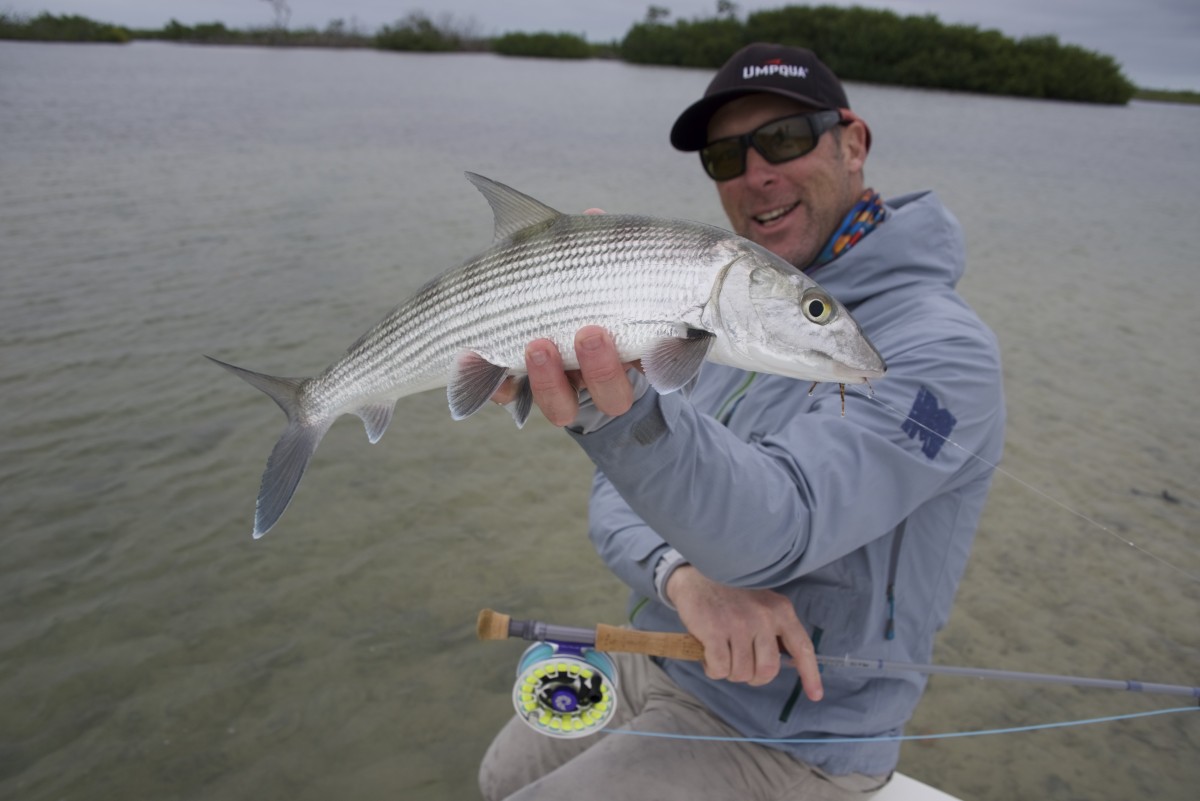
(522,765)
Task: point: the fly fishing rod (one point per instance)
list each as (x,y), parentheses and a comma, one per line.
(554,696)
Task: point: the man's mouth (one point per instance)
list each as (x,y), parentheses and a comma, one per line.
(774,214)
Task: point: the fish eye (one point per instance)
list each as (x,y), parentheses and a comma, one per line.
(817,306)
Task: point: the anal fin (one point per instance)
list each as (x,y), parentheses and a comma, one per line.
(376,417)
(473,383)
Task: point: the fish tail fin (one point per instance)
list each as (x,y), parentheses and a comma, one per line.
(285,467)
(291,454)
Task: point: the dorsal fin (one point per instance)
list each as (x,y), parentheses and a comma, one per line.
(514,211)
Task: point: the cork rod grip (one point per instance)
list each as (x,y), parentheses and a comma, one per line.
(654,643)
(492,625)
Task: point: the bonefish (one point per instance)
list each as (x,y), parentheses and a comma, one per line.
(672,293)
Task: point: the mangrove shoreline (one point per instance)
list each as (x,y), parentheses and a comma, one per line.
(864,45)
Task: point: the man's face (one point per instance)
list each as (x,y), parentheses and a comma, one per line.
(791,208)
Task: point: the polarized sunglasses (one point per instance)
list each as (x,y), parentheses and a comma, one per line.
(778,141)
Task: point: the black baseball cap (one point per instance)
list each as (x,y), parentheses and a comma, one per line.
(793,72)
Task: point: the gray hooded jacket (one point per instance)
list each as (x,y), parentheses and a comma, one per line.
(865,520)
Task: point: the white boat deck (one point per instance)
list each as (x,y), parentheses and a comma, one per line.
(905,788)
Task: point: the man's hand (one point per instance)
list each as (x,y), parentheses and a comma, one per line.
(742,630)
(556,391)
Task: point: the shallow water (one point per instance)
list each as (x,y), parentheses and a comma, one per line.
(159,202)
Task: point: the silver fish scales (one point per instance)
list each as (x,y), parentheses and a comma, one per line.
(672,294)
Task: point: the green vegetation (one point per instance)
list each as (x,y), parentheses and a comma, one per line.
(543,45)
(417,32)
(1168,96)
(49,28)
(334,35)
(860,44)
(877,46)
(698,43)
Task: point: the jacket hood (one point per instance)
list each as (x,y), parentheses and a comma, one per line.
(928,247)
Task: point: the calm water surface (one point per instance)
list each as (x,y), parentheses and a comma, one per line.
(160,202)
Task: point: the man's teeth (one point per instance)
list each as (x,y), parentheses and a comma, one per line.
(774,215)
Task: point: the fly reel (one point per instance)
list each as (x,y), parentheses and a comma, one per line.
(565,690)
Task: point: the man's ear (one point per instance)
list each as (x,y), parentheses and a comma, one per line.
(854,145)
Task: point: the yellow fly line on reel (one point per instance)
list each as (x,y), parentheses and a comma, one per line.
(564,689)
(566,683)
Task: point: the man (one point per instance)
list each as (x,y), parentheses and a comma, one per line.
(761,516)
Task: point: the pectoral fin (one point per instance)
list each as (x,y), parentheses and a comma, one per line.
(672,363)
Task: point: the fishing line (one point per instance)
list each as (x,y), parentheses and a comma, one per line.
(903,738)
(871,396)
(566,682)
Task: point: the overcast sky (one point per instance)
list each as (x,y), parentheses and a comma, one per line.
(1157,42)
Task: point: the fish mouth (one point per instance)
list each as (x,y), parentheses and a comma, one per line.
(768,217)
(849,374)
(818,366)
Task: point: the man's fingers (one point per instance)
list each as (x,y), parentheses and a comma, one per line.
(557,392)
(558,400)
(804,656)
(506,393)
(741,661)
(766,660)
(717,659)
(602,370)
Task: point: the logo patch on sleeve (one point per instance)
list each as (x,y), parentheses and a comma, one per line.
(930,422)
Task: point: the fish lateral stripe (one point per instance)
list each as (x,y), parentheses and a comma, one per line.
(672,293)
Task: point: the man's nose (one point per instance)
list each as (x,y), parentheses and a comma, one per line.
(758,169)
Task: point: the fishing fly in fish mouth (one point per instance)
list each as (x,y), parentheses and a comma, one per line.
(670,294)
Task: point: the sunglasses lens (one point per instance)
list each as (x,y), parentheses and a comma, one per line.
(784,140)
(724,160)
(778,141)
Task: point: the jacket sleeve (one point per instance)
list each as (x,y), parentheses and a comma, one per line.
(629,547)
(818,486)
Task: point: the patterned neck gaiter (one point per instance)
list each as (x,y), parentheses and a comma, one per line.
(867,213)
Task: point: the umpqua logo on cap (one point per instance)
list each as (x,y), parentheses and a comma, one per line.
(773,66)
